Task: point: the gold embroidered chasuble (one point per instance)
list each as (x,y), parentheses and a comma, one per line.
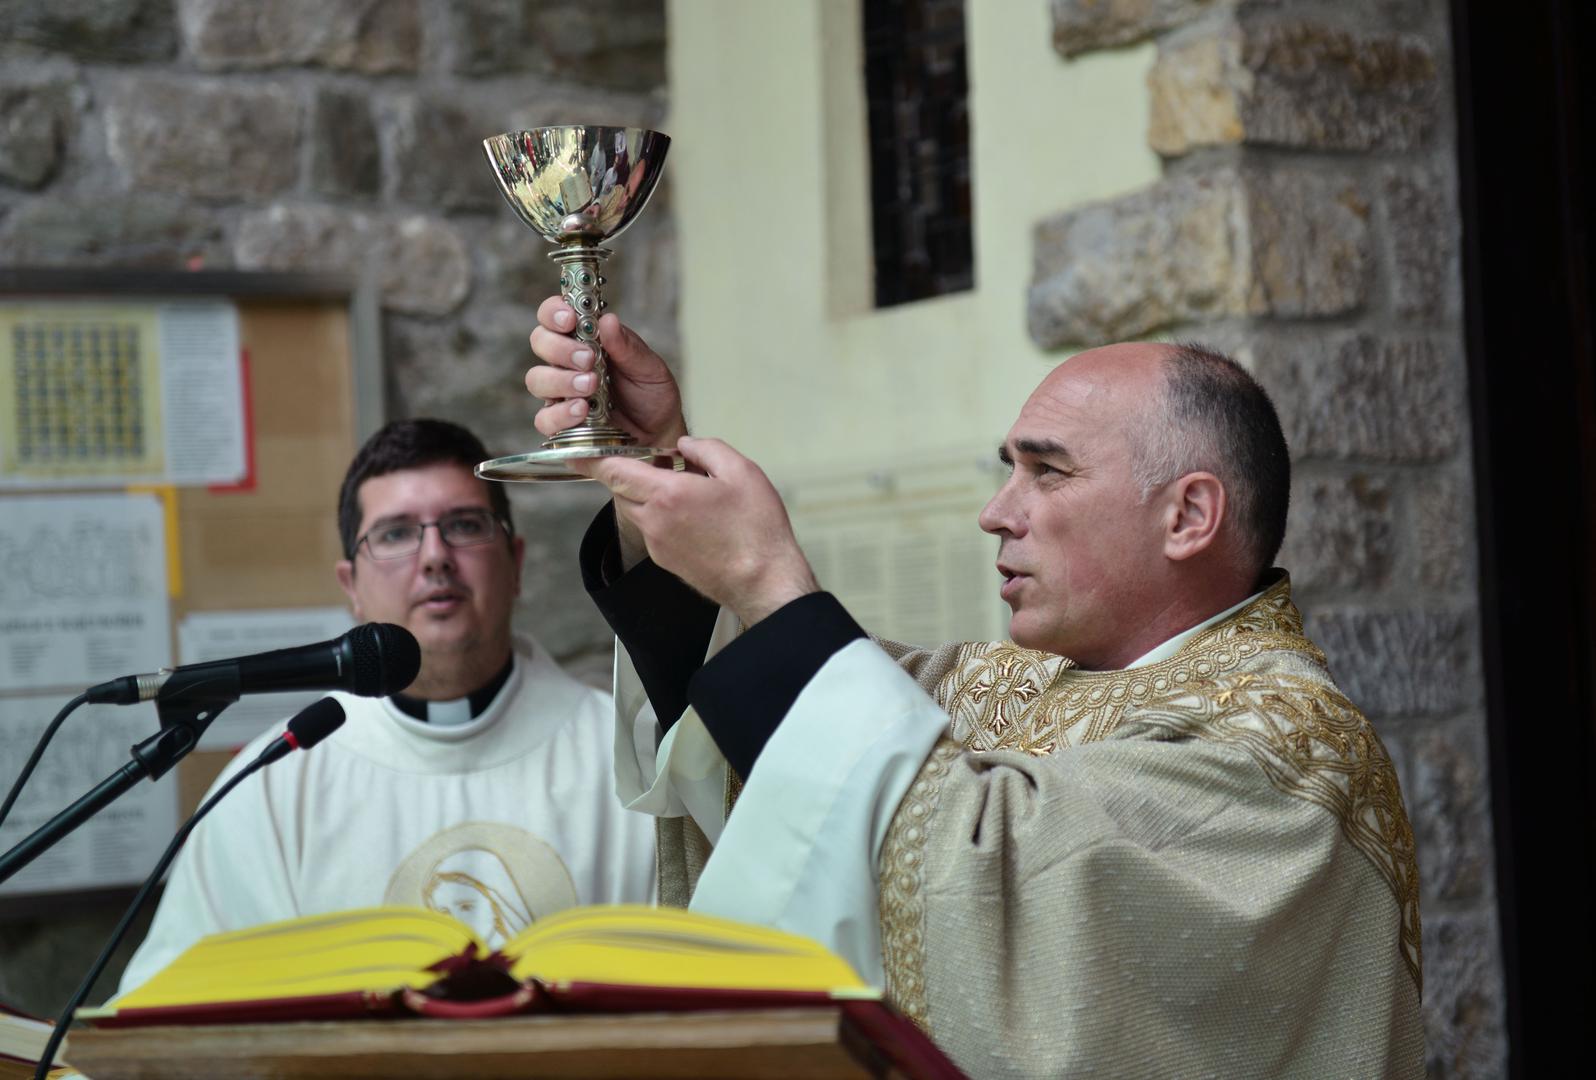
(1200,866)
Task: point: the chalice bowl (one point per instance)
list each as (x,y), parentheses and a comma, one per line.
(577,186)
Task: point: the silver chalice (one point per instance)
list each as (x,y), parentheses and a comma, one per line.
(577,186)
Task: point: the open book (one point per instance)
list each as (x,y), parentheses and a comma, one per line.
(396,960)
(22,1040)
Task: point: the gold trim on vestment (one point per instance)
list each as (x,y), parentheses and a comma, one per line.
(902,860)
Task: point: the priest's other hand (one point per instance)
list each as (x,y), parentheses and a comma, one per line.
(720,526)
(644,401)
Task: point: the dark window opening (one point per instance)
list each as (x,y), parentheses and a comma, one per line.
(916,90)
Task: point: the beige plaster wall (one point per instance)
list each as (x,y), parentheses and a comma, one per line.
(787,360)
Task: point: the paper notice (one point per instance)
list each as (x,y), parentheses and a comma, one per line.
(202,393)
(82,590)
(220,635)
(96,395)
(120,844)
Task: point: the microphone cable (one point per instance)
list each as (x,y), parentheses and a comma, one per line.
(311,725)
(38,752)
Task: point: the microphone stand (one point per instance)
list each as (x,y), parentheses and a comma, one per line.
(183,720)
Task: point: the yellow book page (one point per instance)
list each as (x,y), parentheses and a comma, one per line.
(375,949)
(634,945)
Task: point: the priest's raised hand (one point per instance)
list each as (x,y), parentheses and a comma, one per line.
(719,525)
(644,397)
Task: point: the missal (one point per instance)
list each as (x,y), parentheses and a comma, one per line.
(22,1041)
(413,961)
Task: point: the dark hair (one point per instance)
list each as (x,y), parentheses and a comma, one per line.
(411,444)
(1231,428)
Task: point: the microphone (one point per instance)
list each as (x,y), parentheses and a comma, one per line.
(373,660)
(309,726)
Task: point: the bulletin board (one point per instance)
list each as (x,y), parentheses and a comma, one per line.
(145,523)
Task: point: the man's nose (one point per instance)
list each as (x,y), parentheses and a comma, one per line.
(434,552)
(999,516)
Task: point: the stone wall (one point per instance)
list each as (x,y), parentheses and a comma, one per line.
(334,135)
(344,135)
(1308,222)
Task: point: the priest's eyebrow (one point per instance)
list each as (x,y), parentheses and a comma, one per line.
(411,519)
(1051,449)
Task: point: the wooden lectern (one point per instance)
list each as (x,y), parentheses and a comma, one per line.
(791,1043)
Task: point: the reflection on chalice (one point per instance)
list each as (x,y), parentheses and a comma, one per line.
(577,186)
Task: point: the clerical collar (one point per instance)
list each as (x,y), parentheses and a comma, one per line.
(460,710)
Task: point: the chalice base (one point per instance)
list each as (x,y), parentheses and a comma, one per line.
(550,465)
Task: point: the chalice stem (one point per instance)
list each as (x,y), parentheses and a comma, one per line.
(582,286)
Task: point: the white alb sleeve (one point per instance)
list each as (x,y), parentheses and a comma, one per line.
(800,851)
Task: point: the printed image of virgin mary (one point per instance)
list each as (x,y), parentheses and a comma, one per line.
(475,887)
(495,878)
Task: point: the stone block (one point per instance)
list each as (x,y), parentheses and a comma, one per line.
(92,30)
(345,158)
(1201,246)
(554,607)
(1175,252)
(426,269)
(468,369)
(1464,1032)
(1310,244)
(1414,662)
(1422,234)
(205,139)
(1083,25)
(1340,533)
(558,101)
(373,37)
(1443,533)
(130,230)
(1447,802)
(34,122)
(436,150)
(312,239)
(1296,83)
(643,273)
(610,43)
(1358,397)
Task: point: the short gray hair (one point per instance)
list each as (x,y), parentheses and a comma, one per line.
(1214,417)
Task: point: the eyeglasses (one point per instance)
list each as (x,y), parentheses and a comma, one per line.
(462,528)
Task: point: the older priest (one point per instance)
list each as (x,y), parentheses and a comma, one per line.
(1147,837)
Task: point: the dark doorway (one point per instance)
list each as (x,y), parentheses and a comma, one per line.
(1525,111)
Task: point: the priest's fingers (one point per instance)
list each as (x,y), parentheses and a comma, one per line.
(631,480)
(714,457)
(629,355)
(555,314)
(556,416)
(552,383)
(561,350)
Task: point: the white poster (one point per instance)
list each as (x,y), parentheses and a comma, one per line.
(82,590)
(202,393)
(120,844)
(221,635)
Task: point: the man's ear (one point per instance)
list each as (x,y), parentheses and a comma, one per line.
(344,570)
(1196,512)
(517,558)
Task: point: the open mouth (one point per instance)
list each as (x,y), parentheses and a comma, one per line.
(441,600)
